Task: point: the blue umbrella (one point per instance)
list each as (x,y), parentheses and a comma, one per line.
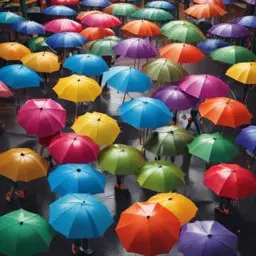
(66,40)
(247,138)
(76,178)
(18,76)
(59,10)
(9,18)
(248,21)
(161,5)
(96,3)
(78,216)
(29,28)
(86,64)
(145,112)
(210,45)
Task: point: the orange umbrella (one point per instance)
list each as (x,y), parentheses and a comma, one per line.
(82,15)
(200,11)
(96,33)
(225,111)
(218,2)
(148,229)
(182,53)
(109,9)
(142,28)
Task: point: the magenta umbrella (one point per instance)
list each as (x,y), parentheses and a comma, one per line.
(63,25)
(5,92)
(70,148)
(101,20)
(42,117)
(204,86)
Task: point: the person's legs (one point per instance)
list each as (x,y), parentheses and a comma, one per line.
(120,182)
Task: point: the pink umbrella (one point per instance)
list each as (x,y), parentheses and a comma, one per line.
(204,86)
(70,148)
(42,117)
(5,92)
(63,25)
(101,20)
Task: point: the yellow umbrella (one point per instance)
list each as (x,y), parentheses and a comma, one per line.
(44,62)
(99,127)
(22,164)
(183,208)
(13,51)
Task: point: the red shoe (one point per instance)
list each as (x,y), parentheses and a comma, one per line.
(219,209)
(20,193)
(120,186)
(226,211)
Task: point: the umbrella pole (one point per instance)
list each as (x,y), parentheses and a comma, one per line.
(138,64)
(18,100)
(134,64)
(76,111)
(124,98)
(85,247)
(252,161)
(247,93)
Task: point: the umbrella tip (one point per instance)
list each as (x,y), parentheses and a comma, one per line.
(83,202)
(41,109)
(78,170)
(209,236)
(148,217)
(169,199)
(98,119)
(160,166)
(21,223)
(122,150)
(22,154)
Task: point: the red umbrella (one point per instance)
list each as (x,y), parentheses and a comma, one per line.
(63,25)
(101,20)
(230,180)
(70,148)
(65,2)
(5,92)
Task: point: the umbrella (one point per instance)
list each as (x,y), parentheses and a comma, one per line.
(10,18)
(136,48)
(63,25)
(121,9)
(65,2)
(66,40)
(202,238)
(210,45)
(229,30)
(164,71)
(96,3)
(120,159)
(22,164)
(70,148)
(27,231)
(42,117)
(142,28)
(182,53)
(13,51)
(86,64)
(127,79)
(101,128)
(175,98)
(144,112)
(29,28)
(18,76)
(225,112)
(76,178)
(82,15)
(176,203)
(233,54)
(213,148)
(248,21)
(168,141)
(160,176)
(44,62)
(79,216)
(59,10)
(152,14)
(97,33)
(37,44)
(218,2)
(161,5)
(142,228)
(5,92)
(252,2)
(204,86)
(247,138)
(101,20)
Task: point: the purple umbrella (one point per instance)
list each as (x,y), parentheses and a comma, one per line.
(204,86)
(175,98)
(252,2)
(247,138)
(136,48)
(229,30)
(203,238)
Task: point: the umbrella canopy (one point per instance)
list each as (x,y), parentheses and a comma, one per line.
(86,64)
(142,28)
(82,15)
(252,2)
(13,51)
(18,76)
(42,117)
(176,203)
(161,5)
(44,62)
(247,138)
(96,3)
(127,79)
(182,53)
(218,2)
(29,28)
(97,33)
(152,14)
(78,216)
(27,231)
(136,48)
(160,176)
(248,21)
(77,88)
(10,18)
(213,148)
(121,9)
(101,20)
(210,45)
(63,25)
(102,129)
(145,224)
(230,180)
(225,111)
(204,86)
(59,10)
(120,159)
(203,237)
(5,92)
(37,44)
(76,178)
(65,2)
(168,141)
(22,164)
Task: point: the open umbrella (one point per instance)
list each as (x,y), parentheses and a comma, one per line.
(65,2)
(10,18)
(96,33)
(252,2)
(161,5)
(37,44)
(210,45)
(121,9)
(29,28)
(63,25)
(247,138)
(13,51)
(152,14)
(82,15)
(101,20)
(218,2)
(5,92)
(248,21)
(96,3)
(59,10)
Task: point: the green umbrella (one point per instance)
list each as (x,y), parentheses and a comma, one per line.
(160,176)
(168,141)
(164,70)
(213,148)
(37,44)
(152,14)
(123,9)
(120,159)
(24,233)
(233,54)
